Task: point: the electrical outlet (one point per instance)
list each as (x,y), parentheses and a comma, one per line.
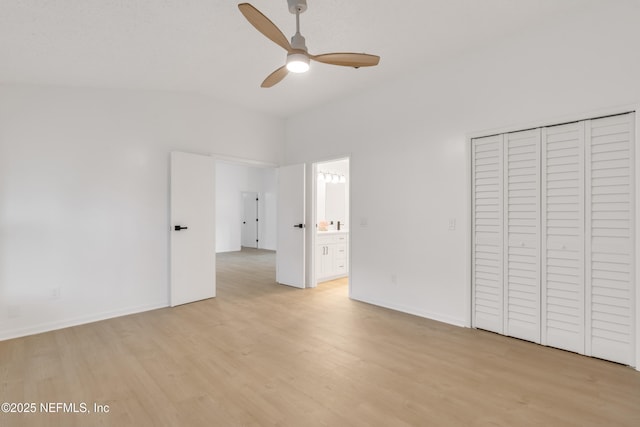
(452,224)
(394,279)
(55,293)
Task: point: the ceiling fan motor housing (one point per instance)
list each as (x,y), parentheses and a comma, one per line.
(298,42)
(297,6)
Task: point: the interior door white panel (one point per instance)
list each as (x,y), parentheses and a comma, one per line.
(193,249)
(290,253)
(522,235)
(610,240)
(563,320)
(487,233)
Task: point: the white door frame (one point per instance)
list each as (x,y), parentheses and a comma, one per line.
(311,259)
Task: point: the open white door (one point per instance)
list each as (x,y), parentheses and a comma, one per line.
(193,242)
(290,253)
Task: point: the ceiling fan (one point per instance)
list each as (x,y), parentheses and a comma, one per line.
(297,55)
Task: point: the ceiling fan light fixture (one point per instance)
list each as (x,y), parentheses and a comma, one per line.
(298,57)
(297,63)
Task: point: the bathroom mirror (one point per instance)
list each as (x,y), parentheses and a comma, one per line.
(335,203)
(332,194)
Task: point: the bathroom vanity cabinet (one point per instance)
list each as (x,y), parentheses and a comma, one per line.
(331,255)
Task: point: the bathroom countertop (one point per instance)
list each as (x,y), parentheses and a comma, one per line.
(333,232)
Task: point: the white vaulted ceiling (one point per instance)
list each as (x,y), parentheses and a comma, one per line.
(207,46)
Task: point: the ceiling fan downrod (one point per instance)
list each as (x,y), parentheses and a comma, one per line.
(298,41)
(298,58)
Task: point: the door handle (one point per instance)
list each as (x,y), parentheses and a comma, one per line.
(179,227)
(298,225)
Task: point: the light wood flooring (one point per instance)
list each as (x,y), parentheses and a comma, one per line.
(261,354)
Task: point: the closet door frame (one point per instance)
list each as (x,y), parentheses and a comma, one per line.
(636,290)
(567,118)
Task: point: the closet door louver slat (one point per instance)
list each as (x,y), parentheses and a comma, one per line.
(487,251)
(522,235)
(610,244)
(563,237)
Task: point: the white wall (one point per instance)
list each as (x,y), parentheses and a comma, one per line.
(84,195)
(231,181)
(414,131)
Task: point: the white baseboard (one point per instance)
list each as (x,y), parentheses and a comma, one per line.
(225,250)
(410,310)
(61,324)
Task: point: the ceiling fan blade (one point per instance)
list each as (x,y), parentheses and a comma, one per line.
(264,25)
(347,59)
(275,77)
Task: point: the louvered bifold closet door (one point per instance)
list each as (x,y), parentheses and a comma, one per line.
(487,232)
(522,235)
(563,237)
(610,238)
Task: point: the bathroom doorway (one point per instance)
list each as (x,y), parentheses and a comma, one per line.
(330,236)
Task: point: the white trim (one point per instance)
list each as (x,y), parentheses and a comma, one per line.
(244,162)
(636,246)
(82,320)
(438,317)
(350,228)
(558,120)
(313,283)
(468,290)
(504,167)
(543,234)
